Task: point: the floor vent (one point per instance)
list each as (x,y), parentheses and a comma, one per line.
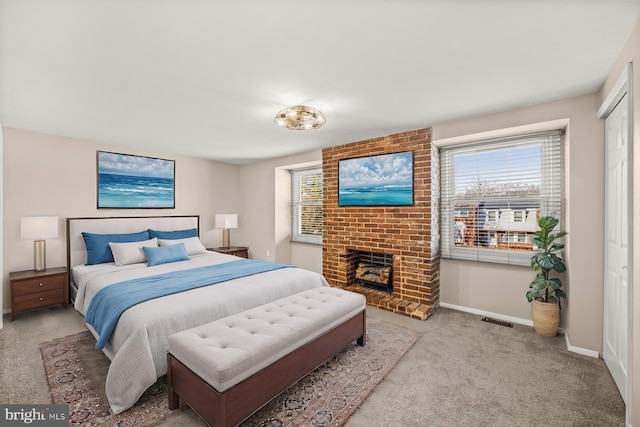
(497,322)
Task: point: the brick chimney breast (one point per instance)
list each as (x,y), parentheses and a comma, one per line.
(404,232)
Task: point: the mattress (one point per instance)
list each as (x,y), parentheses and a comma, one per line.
(138,346)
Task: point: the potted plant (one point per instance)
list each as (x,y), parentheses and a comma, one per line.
(545,291)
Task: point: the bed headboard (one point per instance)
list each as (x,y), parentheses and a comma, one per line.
(76,250)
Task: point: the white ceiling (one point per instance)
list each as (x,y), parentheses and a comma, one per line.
(206,77)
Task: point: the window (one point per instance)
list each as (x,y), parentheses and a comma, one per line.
(517,237)
(518,216)
(306,205)
(505,186)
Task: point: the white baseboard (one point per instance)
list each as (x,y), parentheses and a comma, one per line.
(579,350)
(497,316)
(520,321)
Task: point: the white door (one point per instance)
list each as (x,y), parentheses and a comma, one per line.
(616,281)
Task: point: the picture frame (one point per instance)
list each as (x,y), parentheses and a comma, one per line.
(378,180)
(126,181)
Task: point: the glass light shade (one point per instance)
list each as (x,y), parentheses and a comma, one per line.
(300,117)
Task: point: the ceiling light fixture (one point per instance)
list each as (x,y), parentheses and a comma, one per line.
(300,117)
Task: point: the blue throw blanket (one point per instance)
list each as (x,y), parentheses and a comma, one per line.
(110,302)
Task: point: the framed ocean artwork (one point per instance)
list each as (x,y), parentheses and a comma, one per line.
(135,182)
(381,180)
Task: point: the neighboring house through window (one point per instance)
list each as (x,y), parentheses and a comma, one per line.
(306,205)
(503,186)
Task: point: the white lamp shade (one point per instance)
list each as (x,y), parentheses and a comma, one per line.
(39,227)
(226,221)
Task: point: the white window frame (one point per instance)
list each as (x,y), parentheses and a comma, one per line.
(296,203)
(550,199)
(521,214)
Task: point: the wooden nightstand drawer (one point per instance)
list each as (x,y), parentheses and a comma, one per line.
(38,299)
(28,286)
(36,289)
(241,251)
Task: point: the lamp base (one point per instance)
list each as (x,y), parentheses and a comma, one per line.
(225,238)
(39,255)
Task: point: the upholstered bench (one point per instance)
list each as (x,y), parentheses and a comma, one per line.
(226,370)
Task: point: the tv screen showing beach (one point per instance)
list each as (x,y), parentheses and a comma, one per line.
(135,182)
(383,180)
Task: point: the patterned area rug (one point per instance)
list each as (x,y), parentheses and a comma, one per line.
(76,373)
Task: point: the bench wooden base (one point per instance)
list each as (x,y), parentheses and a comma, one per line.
(234,405)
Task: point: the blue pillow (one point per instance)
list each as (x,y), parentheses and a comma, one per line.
(172,235)
(165,254)
(98,250)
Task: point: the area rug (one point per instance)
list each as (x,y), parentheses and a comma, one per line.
(76,373)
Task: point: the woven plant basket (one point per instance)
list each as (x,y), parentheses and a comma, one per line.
(546,318)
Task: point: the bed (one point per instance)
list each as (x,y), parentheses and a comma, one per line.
(138,344)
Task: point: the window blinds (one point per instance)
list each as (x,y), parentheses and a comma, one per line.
(493,192)
(306,205)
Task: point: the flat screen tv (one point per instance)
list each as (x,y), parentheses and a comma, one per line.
(382,180)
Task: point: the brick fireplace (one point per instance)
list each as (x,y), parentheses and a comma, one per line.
(406,235)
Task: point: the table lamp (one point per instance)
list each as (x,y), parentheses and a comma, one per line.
(39,228)
(226,221)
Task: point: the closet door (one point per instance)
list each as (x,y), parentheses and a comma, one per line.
(617,238)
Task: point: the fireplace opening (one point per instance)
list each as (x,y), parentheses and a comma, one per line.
(373,270)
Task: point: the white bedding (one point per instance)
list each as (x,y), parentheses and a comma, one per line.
(138,346)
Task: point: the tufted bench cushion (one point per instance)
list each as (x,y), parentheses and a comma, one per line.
(228,369)
(231,349)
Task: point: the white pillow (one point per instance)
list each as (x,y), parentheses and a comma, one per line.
(191,244)
(131,252)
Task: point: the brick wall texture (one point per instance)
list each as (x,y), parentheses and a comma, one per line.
(403,231)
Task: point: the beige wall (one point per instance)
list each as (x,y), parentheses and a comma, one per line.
(58,175)
(631,54)
(259,193)
(50,175)
(266,195)
(486,287)
(502,289)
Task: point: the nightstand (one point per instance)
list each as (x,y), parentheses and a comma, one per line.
(31,290)
(241,251)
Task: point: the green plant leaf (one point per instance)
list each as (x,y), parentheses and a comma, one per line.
(555,283)
(534,263)
(548,222)
(546,260)
(538,285)
(537,240)
(558,264)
